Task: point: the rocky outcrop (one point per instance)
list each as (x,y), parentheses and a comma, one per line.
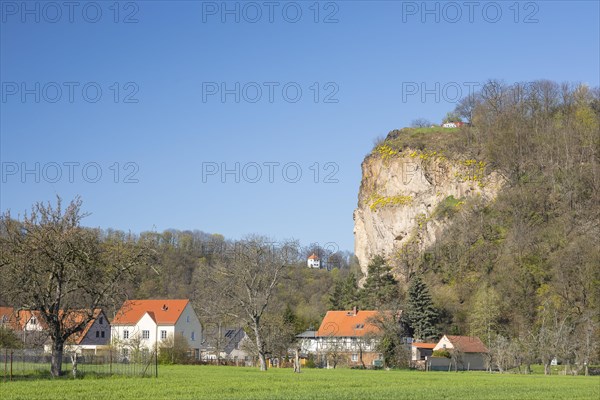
(401,192)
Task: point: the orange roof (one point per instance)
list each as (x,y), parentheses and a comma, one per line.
(164,312)
(467,344)
(20,318)
(76,317)
(6,312)
(424,345)
(347,323)
(313,256)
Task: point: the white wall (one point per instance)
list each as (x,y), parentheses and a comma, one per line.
(187,324)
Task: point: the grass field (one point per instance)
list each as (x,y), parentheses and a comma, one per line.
(210,382)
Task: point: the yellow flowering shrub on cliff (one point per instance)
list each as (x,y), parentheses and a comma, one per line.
(426,155)
(475,171)
(385,151)
(378,201)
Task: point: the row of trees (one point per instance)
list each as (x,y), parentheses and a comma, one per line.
(51,263)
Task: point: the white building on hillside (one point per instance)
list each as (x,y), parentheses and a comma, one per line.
(313,261)
(148,322)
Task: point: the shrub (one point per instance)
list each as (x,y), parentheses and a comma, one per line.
(441,353)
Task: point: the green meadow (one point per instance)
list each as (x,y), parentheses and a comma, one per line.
(210,382)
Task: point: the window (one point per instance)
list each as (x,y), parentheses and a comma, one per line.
(163,334)
(125,334)
(187,319)
(354,357)
(444,345)
(101,320)
(102,333)
(33,321)
(193,336)
(145,334)
(97,333)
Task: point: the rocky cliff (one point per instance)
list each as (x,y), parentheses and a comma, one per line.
(403,197)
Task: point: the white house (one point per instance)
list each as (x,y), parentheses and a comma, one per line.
(455,124)
(313,261)
(350,336)
(468,353)
(146,323)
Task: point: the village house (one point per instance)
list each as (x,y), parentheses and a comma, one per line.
(228,343)
(420,351)
(94,339)
(144,324)
(32,330)
(467,353)
(347,337)
(313,261)
(455,124)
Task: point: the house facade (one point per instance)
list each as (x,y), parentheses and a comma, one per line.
(420,351)
(347,338)
(313,261)
(467,353)
(94,339)
(229,344)
(146,324)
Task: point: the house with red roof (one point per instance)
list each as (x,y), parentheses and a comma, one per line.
(419,350)
(32,329)
(467,353)
(147,323)
(348,337)
(313,261)
(94,339)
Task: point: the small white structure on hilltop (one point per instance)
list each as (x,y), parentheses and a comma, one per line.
(313,261)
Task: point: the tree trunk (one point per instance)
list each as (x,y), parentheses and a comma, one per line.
(297,361)
(57,358)
(74,362)
(262,359)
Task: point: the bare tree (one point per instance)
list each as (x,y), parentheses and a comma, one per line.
(63,270)
(246,277)
(420,123)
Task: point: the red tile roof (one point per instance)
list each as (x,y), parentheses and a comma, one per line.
(18,319)
(424,345)
(164,312)
(75,317)
(6,312)
(347,324)
(467,344)
(313,256)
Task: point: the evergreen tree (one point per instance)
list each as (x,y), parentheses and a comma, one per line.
(344,293)
(421,314)
(381,288)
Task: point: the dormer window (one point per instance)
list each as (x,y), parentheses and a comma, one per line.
(359,326)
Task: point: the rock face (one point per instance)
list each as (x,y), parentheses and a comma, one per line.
(400,192)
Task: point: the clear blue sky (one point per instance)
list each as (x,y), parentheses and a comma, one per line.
(173,58)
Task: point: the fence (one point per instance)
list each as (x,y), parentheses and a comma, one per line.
(27,363)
